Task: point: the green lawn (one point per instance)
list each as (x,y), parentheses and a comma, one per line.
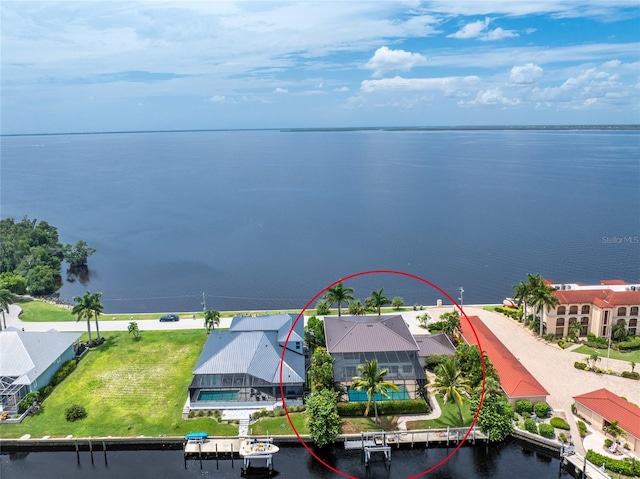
(449,417)
(128,388)
(279,426)
(625,356)
(351,425)
(38,311)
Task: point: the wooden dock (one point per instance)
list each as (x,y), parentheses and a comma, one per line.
(212,447)
(436,437)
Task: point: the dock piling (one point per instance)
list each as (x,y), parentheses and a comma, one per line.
(91,450)
(104,449)
(77,452)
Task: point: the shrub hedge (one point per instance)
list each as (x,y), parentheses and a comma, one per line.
(524,407)
(630,374)
(560,423)
(541,409)
(579,365)
(531,426)
(546,430)
(630,344)
(626,466)
(385,408)
(582,428)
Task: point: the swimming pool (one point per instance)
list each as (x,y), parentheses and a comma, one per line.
(361,396)
(220,395)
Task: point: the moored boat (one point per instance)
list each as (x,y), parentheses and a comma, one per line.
(256,448)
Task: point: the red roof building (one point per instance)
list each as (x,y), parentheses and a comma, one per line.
(597,308)
(516,381)
(600,408)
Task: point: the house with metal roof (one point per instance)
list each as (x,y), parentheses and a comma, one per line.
(242,367)
(354,340)
(515,380)
(28,361)
(601,407)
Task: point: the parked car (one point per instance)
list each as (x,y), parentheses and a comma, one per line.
(169,317)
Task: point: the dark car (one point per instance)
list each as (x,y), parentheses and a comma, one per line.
(169,317)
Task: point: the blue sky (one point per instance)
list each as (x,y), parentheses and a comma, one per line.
(77,66)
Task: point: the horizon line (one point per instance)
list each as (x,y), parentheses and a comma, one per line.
(623,126)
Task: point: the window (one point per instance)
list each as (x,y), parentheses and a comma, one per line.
(297,344)
(634,311)
(560,322)
(622,311)
(407,368)
(585,309)
(562,310)
(573,310)
(584,323)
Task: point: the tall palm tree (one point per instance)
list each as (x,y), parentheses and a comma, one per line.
(377,300)
(339,294)
(211,319)
(372,381)
(6,298)
(88,306)
(521,296)
(619,332)
(542,297)
(451,384)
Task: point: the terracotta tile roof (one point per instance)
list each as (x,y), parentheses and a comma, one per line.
(515,379)
(613,408)
(603,298)
(613,282)
(360,334)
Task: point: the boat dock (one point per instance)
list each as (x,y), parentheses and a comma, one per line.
(205,448)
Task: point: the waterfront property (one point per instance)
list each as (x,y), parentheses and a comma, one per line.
(28,361)
(240,367)
(601,407)
(597,308)
(516,381)
(354,340)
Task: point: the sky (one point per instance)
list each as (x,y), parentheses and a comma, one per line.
(89,66)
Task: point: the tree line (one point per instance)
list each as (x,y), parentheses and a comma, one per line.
(31,257)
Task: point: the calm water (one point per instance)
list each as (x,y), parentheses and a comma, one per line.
(266,219)
(510,461)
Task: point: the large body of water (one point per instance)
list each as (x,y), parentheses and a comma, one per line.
(266,219)
(510,461)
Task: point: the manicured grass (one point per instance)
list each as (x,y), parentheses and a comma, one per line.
(352,425)
(279,426)
(449,417)
(624,356)
(39,311)
(128,388)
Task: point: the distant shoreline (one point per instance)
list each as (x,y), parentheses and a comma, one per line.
(359,128)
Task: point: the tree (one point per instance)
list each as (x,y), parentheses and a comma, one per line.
(321,370)
(133,329)
(211,320)
(451,322)
(77,255)
(377,300)
(423,320)
(575,328)
(541,297)
(522,296)
(619,332)
(15,283)
(372,381)
(397,303)
(339,294)
(314,333)
(322,417)
(495,418)
(592,360)
(41,280)
(323,307)
(451,384)
(88,306)
(6,298)
(356,308)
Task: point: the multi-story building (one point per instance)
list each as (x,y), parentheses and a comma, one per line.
(597,308)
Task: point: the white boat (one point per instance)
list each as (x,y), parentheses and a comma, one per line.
(257,448)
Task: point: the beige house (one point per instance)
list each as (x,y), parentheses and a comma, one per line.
(600,408)
(597,308)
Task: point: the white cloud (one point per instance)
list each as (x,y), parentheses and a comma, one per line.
(217,99)
(280,90)
(528,73)
(399,83)
(471,30)
(385,59)
(479,30)
(493,96)
(342,89)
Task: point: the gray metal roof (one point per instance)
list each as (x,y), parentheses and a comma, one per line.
(244,350)
(434,344)
(354,334)
(27,355)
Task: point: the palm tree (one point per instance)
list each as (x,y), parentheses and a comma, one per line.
(6,298)
(371,380)
(541,297)
(450,322)
(619,331)
(211,319)
(356,308)
(339,294)
(88,306)
(451,384)
(575,328)
(133,329)
(522,297)
(377,300)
